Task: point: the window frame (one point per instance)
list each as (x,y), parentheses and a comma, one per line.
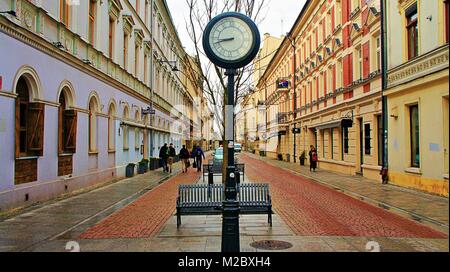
(415,160)
(412,31)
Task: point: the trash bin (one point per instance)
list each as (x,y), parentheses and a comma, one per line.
(129,171)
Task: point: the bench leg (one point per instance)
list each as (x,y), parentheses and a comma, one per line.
(178,219)
(270,217)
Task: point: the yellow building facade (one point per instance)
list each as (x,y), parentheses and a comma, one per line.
(417,94)
(324,88)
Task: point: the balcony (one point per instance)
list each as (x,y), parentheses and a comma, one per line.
(283,84)
(282,118)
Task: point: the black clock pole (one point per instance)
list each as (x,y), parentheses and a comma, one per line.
(230,221)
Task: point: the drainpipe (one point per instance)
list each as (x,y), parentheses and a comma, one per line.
(384,169)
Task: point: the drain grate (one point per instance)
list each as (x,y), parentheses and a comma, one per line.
(271,245)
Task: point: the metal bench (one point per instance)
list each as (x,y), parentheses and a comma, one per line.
(216,170)
(206,199)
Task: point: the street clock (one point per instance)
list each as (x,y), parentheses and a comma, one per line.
(231,40)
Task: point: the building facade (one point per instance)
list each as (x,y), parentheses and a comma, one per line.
(75,91)
(416,92)
(323,88)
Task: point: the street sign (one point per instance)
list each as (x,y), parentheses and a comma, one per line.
(148,111)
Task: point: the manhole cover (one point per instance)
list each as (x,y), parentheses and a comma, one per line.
(271,245)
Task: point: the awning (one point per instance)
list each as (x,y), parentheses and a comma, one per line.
(336,123)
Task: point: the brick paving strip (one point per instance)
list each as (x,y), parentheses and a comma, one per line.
(146,216)
(428,209)
(312,209)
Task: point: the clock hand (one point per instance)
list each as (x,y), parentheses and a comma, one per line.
(224,40)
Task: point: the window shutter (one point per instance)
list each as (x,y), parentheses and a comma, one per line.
(35,128)
(71,117)
(17,128)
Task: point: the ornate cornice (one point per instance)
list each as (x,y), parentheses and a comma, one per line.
(424,65)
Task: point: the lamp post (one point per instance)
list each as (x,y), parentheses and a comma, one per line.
(222,47)
(294,106)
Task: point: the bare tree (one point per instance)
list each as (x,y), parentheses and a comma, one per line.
(213,77)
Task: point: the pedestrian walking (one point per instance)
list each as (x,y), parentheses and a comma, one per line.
(163,152)
(312,158)
(171,156)
(199,157)
(184,156)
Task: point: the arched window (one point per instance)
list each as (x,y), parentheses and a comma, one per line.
(111,127)
(30,125)
(125,129)
(137,132)
(67,124)
(93,109)
(29,130)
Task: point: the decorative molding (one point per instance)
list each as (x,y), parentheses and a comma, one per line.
(8,94)
(128,23)
(424,65)
(114,8)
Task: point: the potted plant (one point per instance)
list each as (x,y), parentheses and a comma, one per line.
(302,158)
(280,157)
(143,166)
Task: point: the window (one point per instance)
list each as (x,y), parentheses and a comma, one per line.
(30,125)
(414,135)
(111,128)
(344,141)
(112,24)
(136,61)
(136,138)
(64,11)
(146,13)
(332,142)
(378,52)
(23,100)
(125,129)
(92,126)
(125,51)
(367,139)
(380,139)
(412,31)
(359,64)
(92,18)
(446,10)
(145,68)
(67,126)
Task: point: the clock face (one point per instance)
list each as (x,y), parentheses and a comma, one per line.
(231,39)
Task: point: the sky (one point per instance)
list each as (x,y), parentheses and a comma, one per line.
(280,16)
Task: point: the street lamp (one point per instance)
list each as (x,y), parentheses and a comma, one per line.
(288,36)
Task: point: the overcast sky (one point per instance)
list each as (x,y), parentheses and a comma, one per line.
(277,10)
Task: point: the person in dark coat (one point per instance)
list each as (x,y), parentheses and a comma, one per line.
(163,155)
(199,156)
(184,156)
(312,158)
(171,157)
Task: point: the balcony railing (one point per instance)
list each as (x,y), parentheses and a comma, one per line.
(283,117)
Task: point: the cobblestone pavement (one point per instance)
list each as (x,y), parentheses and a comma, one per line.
(428,209)
(311,209)
(145,216)
(67,218)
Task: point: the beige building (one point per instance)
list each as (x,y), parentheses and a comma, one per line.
(253,115)
(417,94)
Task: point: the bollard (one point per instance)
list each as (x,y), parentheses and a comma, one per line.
(210,178)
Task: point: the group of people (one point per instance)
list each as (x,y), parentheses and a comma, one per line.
(168,153)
